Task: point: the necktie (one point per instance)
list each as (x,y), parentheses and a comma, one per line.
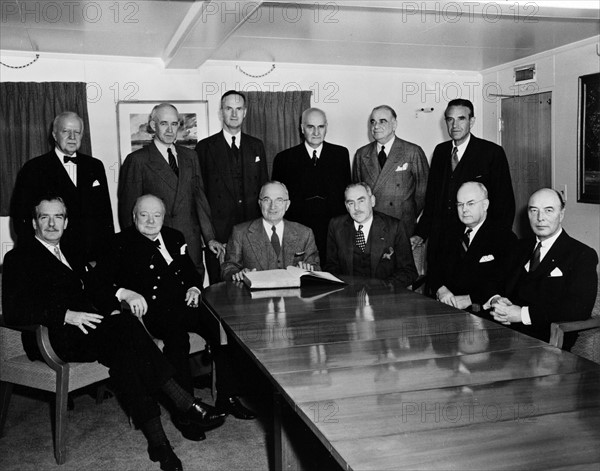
(157,243)
(360,238)
(275,241)
(466,239)
(235,149)
(57,253)
(173,162)
(314,158)
(67,159)
(382,157)
(535,260)
(454,157)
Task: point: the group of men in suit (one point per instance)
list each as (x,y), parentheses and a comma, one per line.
(221,196)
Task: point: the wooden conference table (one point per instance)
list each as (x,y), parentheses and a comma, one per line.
(388,379)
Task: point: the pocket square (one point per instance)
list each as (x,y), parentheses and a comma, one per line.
(182,249)
(402,168)
(556,272)
(96,183)
(257,159)
(388,254)
(486,258)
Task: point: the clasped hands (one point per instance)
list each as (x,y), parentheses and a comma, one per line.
(504,311)
(239,276)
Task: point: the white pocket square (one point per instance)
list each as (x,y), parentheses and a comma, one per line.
(96,183)
(402,168)
(183,249)
(486,258)
(556,272)
(257,159)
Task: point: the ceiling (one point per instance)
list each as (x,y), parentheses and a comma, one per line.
(185,34)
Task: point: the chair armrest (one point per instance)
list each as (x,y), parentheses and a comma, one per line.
(558,329)
(43,342)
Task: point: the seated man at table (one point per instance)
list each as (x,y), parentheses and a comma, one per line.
(152,260)
(367,243)
(473,261)
(43,286)
(551,277)
(270,242)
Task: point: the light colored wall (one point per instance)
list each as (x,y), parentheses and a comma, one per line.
(558,72)
(346,94)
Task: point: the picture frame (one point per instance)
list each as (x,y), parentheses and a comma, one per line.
(588,140)
(134,130)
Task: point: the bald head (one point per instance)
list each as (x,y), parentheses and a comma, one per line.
(546,212)
(314,126)
(472,203)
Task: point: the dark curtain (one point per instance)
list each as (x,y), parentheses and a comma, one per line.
(26,114)
(274,118)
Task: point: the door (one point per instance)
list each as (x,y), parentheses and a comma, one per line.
(526,139)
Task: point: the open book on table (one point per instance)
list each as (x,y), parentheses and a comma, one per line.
(291,277)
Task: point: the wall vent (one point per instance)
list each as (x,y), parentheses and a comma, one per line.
(525,74)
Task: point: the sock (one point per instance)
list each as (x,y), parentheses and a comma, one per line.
(154,433)
(180,397)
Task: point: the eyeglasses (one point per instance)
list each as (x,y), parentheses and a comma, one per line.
(468,204)
(268,201)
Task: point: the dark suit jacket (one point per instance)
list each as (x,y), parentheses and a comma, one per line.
(484,162)
(400,185)
(316,192)
(562,288)
(391,256)
(138,265)
(146,171)
(250,247)
(219,184)
(88,205)
(481,271)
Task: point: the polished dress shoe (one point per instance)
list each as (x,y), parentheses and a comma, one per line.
(190,430)
(166,456)
(203,415)
(233,405)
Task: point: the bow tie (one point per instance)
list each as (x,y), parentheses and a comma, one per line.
(67,159)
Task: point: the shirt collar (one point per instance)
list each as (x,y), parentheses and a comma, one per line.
(60,154)
(366,226)
(388,145)
(310,150)
(474,229)
(162,148)
(462,147)
(228,136)
(50,247)
(549,242)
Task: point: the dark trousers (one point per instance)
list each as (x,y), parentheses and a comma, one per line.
(136,366)
(172,325)
(213,267)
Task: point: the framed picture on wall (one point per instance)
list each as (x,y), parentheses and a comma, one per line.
(588,146)
(134,128)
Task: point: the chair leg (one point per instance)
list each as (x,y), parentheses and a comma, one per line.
(214,381)
(5,393)
(60,434)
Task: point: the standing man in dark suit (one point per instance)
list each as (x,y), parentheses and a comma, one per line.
(316,174)
(152,260)
(368,243)
(234,168)
(552,277)
(171,173)
(81,182)
(270,242)
(42,284)
(474,259)
(395,169)
(463,158)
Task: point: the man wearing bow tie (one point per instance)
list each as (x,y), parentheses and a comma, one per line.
(234,167)
(551,277)
(473,261)
(367,243)
(81,182)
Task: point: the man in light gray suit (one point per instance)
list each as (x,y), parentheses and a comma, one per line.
(171,173)
(270,242)
(395,169)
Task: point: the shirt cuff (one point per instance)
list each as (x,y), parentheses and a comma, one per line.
(525,319)
(119,292)
(488,303)
(195,289)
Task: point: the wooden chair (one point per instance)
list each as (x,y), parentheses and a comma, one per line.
(52,374)
(588,342)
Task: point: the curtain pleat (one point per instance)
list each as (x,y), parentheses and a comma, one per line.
(27,110)
(274,118)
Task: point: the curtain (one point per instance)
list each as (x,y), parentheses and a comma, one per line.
(26,115)
(274,118)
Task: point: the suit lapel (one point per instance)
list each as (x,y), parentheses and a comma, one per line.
(161,168)
(370,163)
(185,176)
(379,242)
(290,240)
(260,243)
(348,245)
(221,154)
(395,157)
(556,252)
